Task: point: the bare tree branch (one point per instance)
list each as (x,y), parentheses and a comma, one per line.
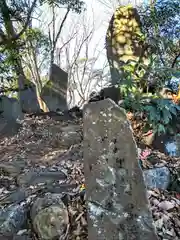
(61,26)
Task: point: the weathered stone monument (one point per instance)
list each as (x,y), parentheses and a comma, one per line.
(10,108)
(29,100)
(55,91)
(116,194)
(26,96)
(126,46)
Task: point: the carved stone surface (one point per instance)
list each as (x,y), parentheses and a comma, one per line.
(116,194)
(125,44)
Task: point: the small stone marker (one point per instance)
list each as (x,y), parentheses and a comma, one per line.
(29,101)
(55,91)
(10,108)
(116,194)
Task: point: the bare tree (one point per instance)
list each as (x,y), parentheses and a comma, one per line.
(76,51)
(55,33)
(33,60)
(79,54)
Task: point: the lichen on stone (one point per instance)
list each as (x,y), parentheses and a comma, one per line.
(125,45)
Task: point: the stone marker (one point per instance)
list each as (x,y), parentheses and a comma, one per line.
(116,194)
(29,100)
(10,108)
(55,91)
(125,47)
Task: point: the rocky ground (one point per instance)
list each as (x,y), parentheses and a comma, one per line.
(41,177)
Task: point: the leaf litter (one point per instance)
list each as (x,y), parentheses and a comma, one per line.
(38,145)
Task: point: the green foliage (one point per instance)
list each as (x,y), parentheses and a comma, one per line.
(37,38)
(160,21)
(160,115)
(13,15)
(37,43)
(159,112)
(7,57)
(161,17)
(31,40)
(160,26)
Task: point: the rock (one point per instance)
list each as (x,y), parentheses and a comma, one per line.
(8,127)
(19,195)
(116,194)
(172,146)
(55,90)
(157,177)
(62,188)
(49,216)
(13,218)
(165,143)
(75,112)
(148,138)
(14,237)
(29,100)
(10,108)
(74,154)
(12,169)
(71,135)
(111,92)
(16,196)
(5,182)
(6,236)
(24,237)
(175,185)
(37,177)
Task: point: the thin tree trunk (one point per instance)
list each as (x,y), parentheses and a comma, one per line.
(38,83)
(21,78)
